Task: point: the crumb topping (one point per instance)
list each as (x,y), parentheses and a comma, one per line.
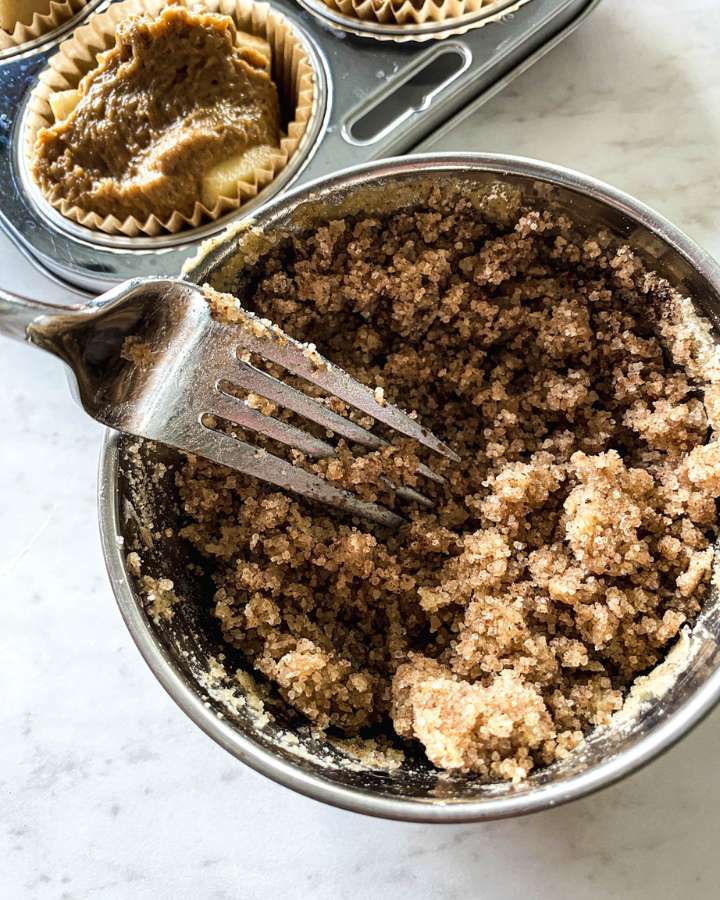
(560,559)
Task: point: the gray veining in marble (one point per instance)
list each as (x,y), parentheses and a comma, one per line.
(107,790)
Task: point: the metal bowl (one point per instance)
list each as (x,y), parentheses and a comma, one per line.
(180,652)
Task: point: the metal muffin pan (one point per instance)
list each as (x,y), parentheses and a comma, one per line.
(360,116)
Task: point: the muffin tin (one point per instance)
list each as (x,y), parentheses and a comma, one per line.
(374,99)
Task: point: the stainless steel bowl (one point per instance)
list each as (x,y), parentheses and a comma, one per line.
(179,652)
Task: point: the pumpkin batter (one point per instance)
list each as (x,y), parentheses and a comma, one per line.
(179,110)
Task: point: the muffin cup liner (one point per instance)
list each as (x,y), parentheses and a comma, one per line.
(405,12)
(59,12)
(292,73)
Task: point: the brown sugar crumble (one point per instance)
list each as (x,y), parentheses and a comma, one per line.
(561,557)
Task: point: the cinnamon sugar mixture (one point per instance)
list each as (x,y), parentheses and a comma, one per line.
(561,557)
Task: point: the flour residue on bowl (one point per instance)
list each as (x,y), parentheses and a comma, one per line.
(656,684)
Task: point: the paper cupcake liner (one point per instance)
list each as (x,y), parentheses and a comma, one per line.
(292,72)
(405,12)
(59,12)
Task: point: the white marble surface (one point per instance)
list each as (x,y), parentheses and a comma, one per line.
(107,790)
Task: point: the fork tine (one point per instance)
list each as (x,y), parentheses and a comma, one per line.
(228,451)
(422,469)
(239,413)
(234,410)
(408,493)
(253,379)
(245,416)
(302,360)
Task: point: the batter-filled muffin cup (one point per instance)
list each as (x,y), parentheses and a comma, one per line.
(414,12)
(22,21)
(200,145)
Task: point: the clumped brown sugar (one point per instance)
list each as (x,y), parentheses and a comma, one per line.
(565,552)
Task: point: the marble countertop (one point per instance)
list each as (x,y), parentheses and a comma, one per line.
(108,790)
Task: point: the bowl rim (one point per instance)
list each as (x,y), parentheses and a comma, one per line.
(666,732)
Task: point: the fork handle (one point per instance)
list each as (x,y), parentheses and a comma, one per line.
(18,313)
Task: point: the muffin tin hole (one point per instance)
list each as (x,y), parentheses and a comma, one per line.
(413,95)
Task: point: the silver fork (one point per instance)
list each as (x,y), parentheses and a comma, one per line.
(184,384)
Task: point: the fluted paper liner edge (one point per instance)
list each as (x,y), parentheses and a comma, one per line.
(404,12)
(292,73)
(59,12)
